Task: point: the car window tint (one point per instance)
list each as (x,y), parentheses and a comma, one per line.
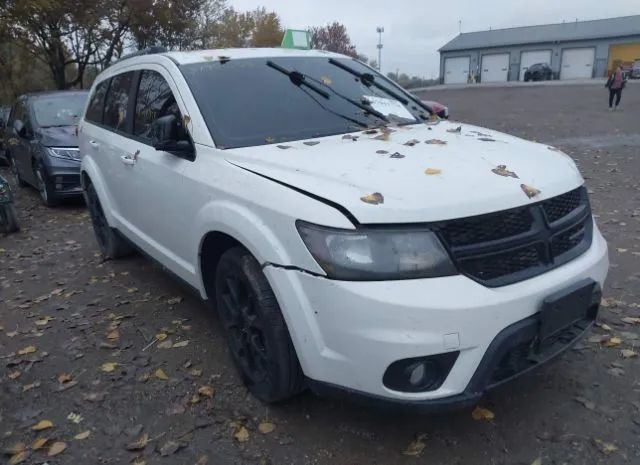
(116,102)
(154,101)
(96,105)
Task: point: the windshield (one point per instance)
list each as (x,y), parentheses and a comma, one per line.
(249,102)
(59,110)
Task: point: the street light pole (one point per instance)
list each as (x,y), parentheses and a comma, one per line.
(380,30)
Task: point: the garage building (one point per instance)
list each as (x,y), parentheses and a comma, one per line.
(574,50)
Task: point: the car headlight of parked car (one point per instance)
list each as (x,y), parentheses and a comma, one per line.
(65,153)
(376,254)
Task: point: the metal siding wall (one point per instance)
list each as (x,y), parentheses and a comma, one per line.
(600,64)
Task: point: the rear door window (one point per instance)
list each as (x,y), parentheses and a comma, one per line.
(155,100)
(96,105)
(117,101)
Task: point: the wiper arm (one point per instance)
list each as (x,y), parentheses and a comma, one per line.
(369,80)
(298,79)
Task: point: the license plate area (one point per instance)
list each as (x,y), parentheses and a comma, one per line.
(566,307)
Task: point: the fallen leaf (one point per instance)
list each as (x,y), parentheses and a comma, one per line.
(480,413)
(166,344)
(628,353)
(412,142)
(416,446)
(605,447)
(195,372)
(57,291)
(161,336)
(64,378)
(109,367)
(350,137)
(18,458)
(373,199)
(74,417)
(435,142)
(16,448)
(326,80)
(587,403)
(457,130)
(113,335)
(266,427)
(174,300)
(501,170)
(27,350)
(56,448)
(537,461)
(42,424)
(432,171)
(83,435)
(486,139)
(181,344)
(396,155)
(628,319)
(28,387)
(206,391)
(14,374)
(241,434)
(39,443)
(529,191)
(283,147)
(311,143)
(381,152)
(160,374)
(613,342)
(139,444)
(169,448)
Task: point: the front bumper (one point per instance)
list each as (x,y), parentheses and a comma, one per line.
(64,177)
(347,334)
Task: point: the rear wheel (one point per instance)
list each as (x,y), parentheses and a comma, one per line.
(47,195)
(256,332)
(15,173)
(111,243)
(8,218)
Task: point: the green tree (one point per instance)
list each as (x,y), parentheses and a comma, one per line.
(267,31)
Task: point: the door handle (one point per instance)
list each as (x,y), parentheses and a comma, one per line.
(130,159)
(127,160)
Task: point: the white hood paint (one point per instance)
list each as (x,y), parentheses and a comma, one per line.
(343,171)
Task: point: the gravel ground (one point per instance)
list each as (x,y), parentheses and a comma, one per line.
(90,365)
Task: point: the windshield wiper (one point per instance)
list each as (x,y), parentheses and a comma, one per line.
(369,80)
(300,80)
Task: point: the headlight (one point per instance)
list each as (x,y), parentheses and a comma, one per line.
(376,254)
(64,153)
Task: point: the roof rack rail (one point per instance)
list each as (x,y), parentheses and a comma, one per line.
(145,51)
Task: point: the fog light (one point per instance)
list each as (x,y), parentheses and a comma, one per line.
(419,374)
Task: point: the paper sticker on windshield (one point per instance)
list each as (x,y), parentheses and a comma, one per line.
(388,107)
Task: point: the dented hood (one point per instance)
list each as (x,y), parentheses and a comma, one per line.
(451,177)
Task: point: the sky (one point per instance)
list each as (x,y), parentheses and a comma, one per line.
(416,29)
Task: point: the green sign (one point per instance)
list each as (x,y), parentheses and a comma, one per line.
(296,39)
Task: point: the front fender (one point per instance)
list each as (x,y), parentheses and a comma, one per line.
(247,227)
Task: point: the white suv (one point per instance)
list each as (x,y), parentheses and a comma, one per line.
(350,241)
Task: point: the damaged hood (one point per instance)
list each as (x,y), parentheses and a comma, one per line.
(417,173)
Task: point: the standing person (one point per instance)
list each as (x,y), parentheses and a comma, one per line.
(615,84)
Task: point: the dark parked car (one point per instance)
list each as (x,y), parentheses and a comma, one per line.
(538,72)
(42,143)
(4,117)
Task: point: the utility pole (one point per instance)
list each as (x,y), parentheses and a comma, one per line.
(380,30)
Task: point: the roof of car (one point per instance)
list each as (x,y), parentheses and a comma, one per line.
(199,56)
(53,93)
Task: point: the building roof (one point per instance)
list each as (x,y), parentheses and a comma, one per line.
(562,32)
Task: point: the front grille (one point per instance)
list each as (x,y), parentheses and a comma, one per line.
(509,246)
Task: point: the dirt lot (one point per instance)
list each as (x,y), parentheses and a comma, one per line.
(95,367)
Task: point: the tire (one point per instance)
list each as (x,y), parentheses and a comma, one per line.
(256,332)
(47,196)
(112,245)
(8,218)
(15,172)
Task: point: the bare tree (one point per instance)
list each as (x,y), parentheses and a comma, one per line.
(334,38)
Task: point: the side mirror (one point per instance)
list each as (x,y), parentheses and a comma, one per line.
(21,130)
(165,137)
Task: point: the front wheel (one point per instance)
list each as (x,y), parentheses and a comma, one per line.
(44,187)
(256,332)
(112,244)
(8,218)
